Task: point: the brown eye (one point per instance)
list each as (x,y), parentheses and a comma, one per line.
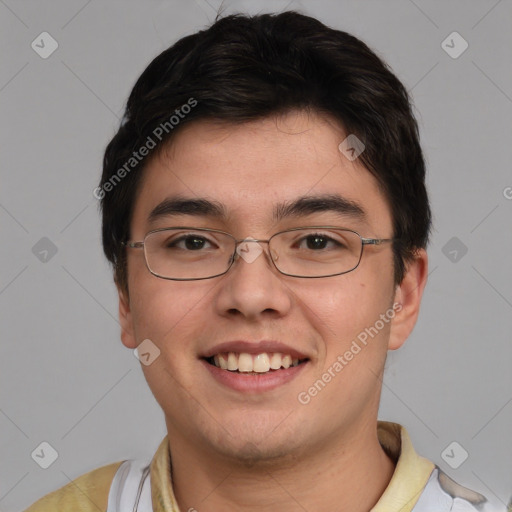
(194,243)
(188,242)
(316,242)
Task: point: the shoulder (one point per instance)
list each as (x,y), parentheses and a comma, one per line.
(88,492)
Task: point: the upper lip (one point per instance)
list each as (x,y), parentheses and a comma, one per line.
(254,347)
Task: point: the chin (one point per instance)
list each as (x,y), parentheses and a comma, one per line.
(259,444)
(264,455)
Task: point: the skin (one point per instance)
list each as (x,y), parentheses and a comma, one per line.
(266,451)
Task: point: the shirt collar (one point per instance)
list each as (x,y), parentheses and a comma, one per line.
(407,483)
(411,472)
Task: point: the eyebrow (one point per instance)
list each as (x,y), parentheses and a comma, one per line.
(308,205)
(188,206)
(300,207)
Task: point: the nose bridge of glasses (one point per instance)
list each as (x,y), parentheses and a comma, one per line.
(250,239)
(250,253)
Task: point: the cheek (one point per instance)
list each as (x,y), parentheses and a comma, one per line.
(170,314)
(348,317)
(161,310)
(345,305)
(157,305)
(346,314)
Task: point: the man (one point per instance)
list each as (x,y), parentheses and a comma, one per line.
(265,212)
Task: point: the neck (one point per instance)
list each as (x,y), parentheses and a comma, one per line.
(349,474)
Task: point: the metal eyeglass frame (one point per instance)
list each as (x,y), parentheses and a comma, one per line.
(364,241)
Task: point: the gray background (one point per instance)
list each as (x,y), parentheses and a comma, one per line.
(66,377)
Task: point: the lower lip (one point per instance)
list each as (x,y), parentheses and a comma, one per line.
(254,383)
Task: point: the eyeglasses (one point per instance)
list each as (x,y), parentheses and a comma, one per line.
(188,254)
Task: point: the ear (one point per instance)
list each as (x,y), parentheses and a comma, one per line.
(125,320)
(407,299)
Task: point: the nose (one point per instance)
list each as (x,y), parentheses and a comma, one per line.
(253,286)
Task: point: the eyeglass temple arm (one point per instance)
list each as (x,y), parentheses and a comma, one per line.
(375,241)
(133,245)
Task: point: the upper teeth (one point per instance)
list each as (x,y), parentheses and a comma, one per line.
(260,363)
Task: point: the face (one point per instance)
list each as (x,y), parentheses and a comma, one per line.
(252,310)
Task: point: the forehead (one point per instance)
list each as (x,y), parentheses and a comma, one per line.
(252,172)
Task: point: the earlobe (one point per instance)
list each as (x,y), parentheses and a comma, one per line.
(408,294)
(125,320)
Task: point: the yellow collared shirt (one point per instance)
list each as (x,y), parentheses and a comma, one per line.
(417,485)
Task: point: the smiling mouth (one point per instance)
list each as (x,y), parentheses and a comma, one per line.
(253,364)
